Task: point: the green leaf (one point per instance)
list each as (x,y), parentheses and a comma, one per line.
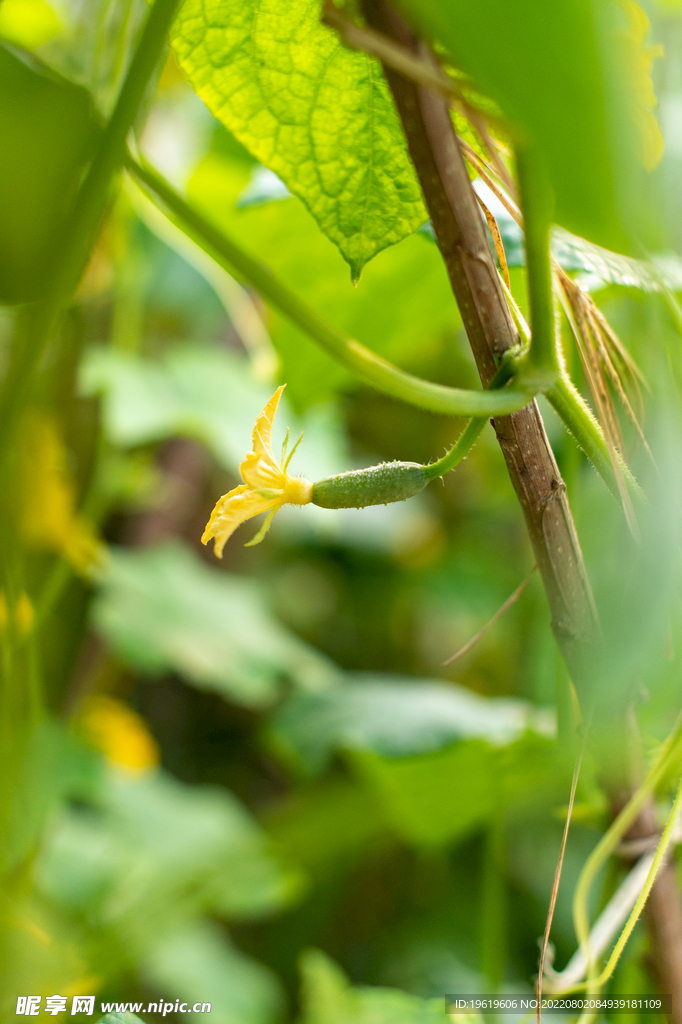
(120,1018)
(156,852)
(203,392)
(396,717)
(195,391)
(327,826)
(199,965)
(439,798)
(55,767)
(413,332)
(435,799)
(564,74)
(329,999)
(48,132)
(316,113)
(162,609)
(600,267)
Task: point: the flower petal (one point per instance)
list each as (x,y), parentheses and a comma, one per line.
(261,473)
(260,469)
(231,511)
(262,431)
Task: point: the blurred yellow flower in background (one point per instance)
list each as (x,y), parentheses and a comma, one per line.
(48,497)
(21,617)
(267,485)
(28,23)
(639,62)
(120,734)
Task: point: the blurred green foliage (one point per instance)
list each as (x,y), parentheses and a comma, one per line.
(588,92)
(49,131)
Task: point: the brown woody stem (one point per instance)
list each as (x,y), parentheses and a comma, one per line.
(461,237)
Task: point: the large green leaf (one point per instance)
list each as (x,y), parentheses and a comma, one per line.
(315,112)
(438,760)
(439,798)
(154,854)
(198,391)
(564,74)
(163,610)
(204,392)
(396,717)
(198,965)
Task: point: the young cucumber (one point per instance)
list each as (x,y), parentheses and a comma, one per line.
(376,485)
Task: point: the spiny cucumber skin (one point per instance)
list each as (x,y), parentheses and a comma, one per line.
(376,485)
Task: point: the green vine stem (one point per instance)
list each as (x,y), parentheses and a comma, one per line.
(667,756)
(661,852)
(537,203)
(397,481)
(367,364)
(581,423)
(86,218)
(382,374)
(459,450)
(466,439)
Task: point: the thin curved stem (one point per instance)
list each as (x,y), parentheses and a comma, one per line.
(661,852)
(555,883)
(382,374)
(615,833)
(467,438)
(459,450)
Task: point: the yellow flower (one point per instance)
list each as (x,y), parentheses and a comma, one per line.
(639,59)
(121,734)
(267,485)
(48,497)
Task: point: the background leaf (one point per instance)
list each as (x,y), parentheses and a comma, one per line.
(155,852)
(440,798)
(198,964)
(204,392)
(162,609)
(396,717)
(598,267)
